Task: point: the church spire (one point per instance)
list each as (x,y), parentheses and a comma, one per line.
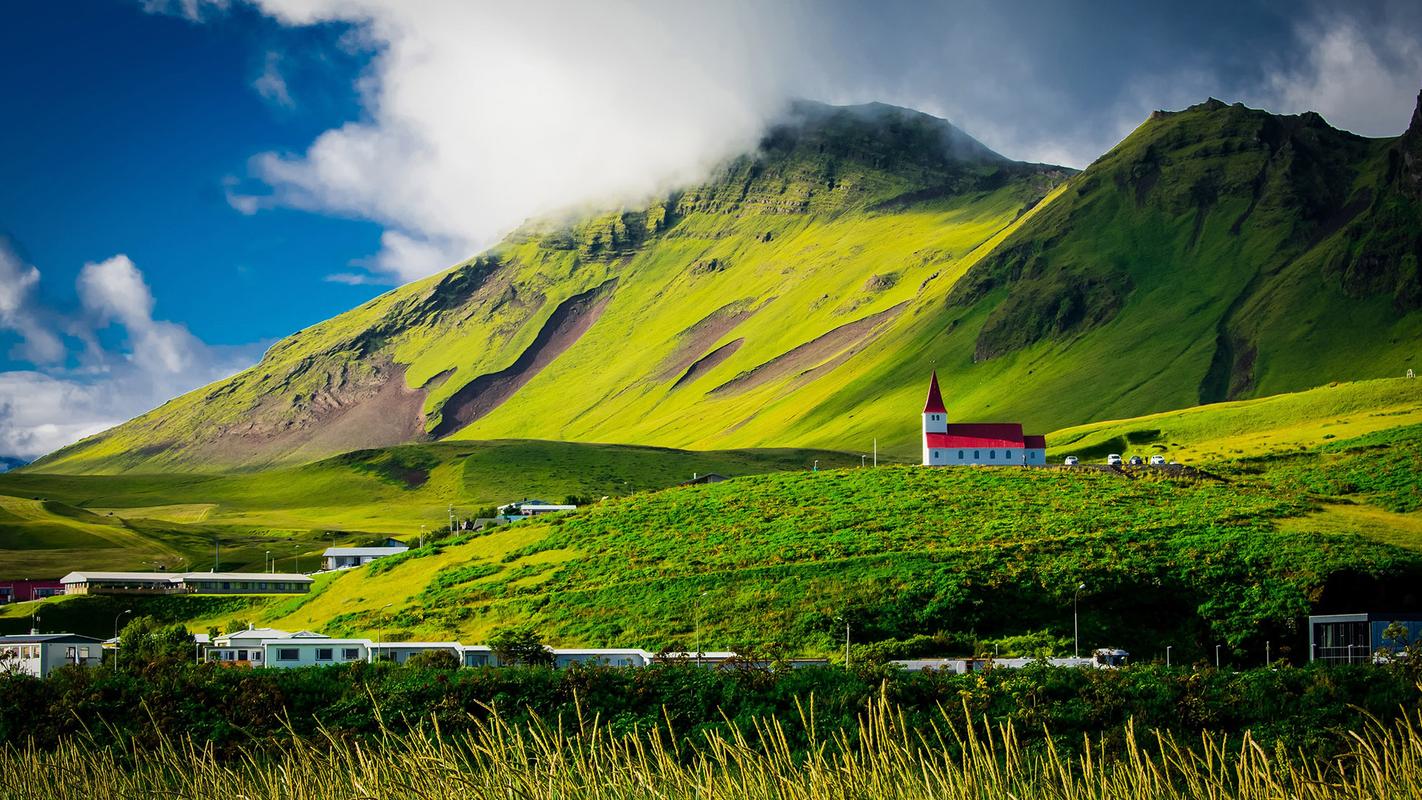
(935,398)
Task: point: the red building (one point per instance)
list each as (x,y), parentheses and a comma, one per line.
(22,591)
(983,443)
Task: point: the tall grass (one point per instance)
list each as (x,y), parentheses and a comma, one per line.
(884,759)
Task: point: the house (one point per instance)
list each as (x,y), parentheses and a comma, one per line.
(347,557)
(698,480)
(983,443)
(39,654)
(314,652)
(477,655)
(1356,638)
(247,647)
(23,591)
(400,652)
(601,657)
(524,509)
(185,583)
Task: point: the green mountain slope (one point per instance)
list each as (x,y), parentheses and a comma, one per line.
(801,295)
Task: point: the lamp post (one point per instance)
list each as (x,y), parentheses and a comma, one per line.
(1075,627)
(861,461)
(696,615)
(817,466)
(271,568)
(1167,654)
(845,620)
(1266,653)
(116,644)
(1217,656)
(1350,653)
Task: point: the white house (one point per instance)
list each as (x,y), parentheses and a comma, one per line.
(247,647)
(314,652)
(985,443)
(400,652)
(601,657)
(38,654)
(345,557)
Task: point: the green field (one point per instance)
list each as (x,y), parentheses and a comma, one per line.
(52,524)
(918,560)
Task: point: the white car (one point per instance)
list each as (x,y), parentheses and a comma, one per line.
(1071,461)
(1114,459)
(1157,461)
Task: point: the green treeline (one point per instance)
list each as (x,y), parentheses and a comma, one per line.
(1305,710)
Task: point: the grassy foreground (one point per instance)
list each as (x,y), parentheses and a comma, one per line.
(885,759)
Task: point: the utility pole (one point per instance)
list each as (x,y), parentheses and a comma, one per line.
(845,620)
(1075,628)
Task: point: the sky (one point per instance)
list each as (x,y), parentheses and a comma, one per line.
(182,182)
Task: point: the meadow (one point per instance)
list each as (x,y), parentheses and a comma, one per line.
(52,524)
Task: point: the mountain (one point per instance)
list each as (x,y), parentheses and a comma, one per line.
(801,294)
(8,463)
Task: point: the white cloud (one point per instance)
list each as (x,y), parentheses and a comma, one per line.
(55,405)
(192,10)
(1360,80)
(19,313)
(482,114)
(271,84)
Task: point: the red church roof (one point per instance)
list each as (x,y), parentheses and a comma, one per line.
(978,434)
(935,398)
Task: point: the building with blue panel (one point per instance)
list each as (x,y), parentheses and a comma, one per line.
(1354,638)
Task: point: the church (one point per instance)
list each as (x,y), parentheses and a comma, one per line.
(985,443)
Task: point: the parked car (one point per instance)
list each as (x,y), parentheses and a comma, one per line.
(1071,461)
(1136,461)
(1114,459)
(1157,461)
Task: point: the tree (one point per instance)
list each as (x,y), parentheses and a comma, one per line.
(434,659)
(520,645)
(145,644)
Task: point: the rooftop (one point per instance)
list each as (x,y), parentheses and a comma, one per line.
(365,551)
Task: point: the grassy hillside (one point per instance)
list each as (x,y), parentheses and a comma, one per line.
(919,561)
(801,296)
(1220,432)
(51,524)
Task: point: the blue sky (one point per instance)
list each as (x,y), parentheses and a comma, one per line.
(184,181)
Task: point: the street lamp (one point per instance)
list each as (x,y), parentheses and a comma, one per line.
(1217,656)
(861,460)
(116,644)
(270,567)
(817,465)
(845,620)
(1075,628)
(1266,653)
(1167,654)
(696,614)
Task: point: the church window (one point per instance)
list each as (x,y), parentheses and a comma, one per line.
(977,455)
(992,455)
(960,455)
